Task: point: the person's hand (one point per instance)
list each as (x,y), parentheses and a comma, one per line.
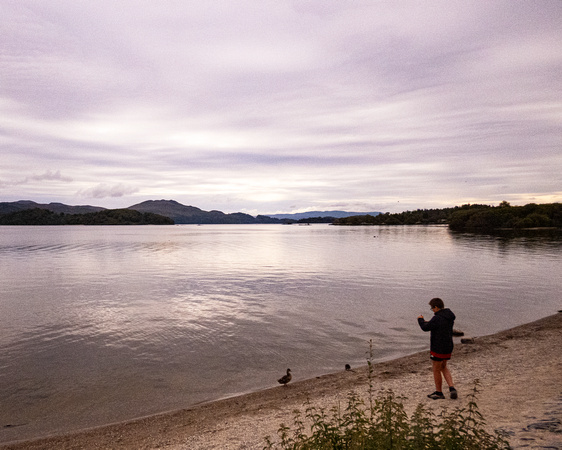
(420,317)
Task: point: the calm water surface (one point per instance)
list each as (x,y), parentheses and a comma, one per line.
(103,324)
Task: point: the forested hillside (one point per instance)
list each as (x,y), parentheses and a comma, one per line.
(38,216)
(470,217)
(507,216)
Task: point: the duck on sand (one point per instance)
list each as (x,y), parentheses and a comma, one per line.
(285,378)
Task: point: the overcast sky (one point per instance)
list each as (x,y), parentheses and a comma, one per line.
(281,106)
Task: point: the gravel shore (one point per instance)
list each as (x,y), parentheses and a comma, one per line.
(520,373)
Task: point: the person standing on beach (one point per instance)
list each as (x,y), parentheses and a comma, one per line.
(441,345)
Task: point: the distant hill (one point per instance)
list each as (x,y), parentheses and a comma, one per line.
(191,215)
(22,205)
(309,214)
(180,214)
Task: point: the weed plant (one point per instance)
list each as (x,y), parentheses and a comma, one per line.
(382,423)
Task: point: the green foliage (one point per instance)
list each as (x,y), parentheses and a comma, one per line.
(483,218)
(506,216)
(418,217)
(326,219)
(384,425)
(35,216)
(38,216)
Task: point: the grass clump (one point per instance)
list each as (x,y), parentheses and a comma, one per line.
(382,423)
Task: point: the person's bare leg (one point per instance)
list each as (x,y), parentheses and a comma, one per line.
(437,375)
(446,374)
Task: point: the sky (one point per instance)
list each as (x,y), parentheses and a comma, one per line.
(277,106)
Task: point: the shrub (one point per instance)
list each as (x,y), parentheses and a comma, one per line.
(384,424)
(387,426)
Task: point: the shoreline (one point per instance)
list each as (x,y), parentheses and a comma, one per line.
(520,373)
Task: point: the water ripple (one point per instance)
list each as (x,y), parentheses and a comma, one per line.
(103,324)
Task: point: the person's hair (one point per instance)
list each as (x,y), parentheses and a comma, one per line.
(436,302)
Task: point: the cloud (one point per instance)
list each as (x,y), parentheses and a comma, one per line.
(47,176)
(103,190)
(50,176)
(268,105)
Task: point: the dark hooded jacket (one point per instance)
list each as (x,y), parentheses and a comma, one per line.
(441,327)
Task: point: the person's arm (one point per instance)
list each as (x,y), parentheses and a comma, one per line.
(427,326)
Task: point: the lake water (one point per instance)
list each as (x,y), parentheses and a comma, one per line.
(103,324)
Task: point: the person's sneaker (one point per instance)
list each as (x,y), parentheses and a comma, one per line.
(453,393)
(436,395)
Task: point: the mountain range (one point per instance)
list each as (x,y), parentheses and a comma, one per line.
(22,205)
(309,214)
(191,215)
(180,214)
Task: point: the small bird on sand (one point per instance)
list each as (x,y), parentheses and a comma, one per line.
(285,378)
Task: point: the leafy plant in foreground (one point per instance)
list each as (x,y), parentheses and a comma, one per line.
(385,425)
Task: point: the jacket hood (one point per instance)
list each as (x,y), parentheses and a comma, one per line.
(447,314)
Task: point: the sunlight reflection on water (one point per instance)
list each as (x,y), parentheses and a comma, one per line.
(107,323)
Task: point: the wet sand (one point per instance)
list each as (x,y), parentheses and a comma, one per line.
(520,373)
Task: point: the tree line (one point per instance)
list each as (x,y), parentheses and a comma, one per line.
(39,216)
(491,218)
(483,218)
(470,217)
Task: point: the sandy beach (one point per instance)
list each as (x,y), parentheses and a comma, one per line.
(520,373)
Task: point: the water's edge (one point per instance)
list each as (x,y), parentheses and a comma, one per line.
(230,403)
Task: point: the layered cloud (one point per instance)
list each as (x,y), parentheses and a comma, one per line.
(103,190)
(276,106)
(33,179)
